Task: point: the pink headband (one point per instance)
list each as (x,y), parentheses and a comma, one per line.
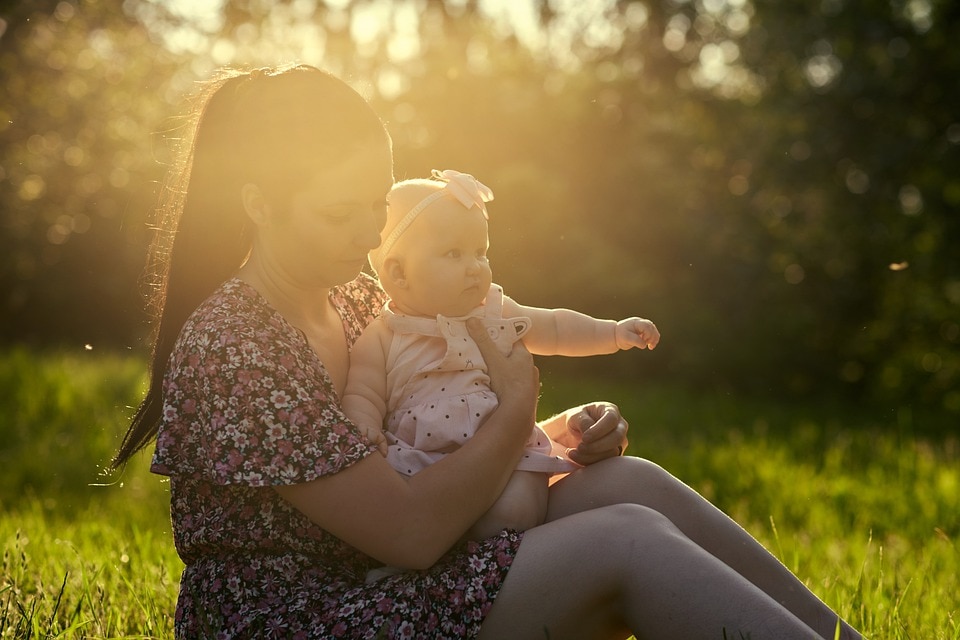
(463,187)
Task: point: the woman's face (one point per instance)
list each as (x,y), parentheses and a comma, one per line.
(323,236)
(444,260)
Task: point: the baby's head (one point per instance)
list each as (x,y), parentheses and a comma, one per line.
(432,257)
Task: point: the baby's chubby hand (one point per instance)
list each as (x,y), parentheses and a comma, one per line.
(637,332)
(375,437)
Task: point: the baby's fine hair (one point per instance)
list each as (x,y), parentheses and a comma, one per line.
(403,197)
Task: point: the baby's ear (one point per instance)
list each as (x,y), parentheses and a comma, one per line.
(393,272)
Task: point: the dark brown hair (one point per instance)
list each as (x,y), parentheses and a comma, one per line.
(273,127)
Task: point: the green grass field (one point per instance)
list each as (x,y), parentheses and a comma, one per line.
(862,508)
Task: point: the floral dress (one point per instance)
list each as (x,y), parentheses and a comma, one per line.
(248,406)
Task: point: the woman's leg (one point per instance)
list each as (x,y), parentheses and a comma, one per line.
(637,481)
(622,569)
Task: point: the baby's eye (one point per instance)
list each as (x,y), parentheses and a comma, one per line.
(453,253)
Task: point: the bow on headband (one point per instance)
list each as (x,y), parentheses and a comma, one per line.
(462,187)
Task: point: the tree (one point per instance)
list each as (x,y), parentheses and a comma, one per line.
(773,183)
(85,88)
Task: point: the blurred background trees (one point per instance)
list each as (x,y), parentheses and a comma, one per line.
(777,185)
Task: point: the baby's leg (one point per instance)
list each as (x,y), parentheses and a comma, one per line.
(521,506)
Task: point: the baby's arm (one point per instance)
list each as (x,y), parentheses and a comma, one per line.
(564,332)
(365,396)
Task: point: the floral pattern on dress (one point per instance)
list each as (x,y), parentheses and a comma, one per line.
(247,406)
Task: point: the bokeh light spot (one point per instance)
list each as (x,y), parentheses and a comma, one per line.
(794,274)
(911,200)
(32,187)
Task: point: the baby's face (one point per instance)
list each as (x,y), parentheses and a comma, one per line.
(445,262)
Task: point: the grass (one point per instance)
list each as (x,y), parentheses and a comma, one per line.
(84,555)
(861,507)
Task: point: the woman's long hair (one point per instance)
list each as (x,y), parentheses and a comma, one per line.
(276,128)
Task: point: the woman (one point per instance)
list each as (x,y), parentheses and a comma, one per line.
(280,506)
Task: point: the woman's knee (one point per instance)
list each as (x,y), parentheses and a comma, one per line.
(624,480)
(647,471)
(630,469)
(629,527)
(598,549)
(652,521)
(654,478)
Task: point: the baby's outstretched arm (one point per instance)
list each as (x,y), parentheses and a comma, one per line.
(365,396)
(564,332)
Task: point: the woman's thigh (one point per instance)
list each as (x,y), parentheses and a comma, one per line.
(628,480)
(566,581)
(614,570)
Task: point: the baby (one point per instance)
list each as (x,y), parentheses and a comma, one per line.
(417,384)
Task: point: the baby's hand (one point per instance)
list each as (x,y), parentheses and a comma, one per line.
(375,436)
(637,332)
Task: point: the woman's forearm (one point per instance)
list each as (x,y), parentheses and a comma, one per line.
(411,522)
(451,495)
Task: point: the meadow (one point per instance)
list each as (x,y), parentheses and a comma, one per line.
(864,505)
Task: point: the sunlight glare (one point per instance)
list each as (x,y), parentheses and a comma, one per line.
(205,14)
(369,22)
(404,43)
(302,29)
(223,51)
(516,17)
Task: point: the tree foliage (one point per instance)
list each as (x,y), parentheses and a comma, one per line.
(775,184)
(84,96)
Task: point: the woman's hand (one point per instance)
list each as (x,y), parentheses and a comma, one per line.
(513,377)
(591,433)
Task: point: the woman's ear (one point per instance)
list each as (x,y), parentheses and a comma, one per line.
(254,204)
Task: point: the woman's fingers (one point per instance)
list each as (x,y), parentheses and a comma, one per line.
(605,417)
(511,375)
